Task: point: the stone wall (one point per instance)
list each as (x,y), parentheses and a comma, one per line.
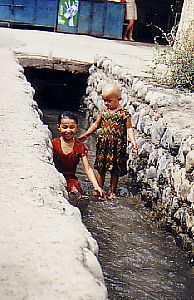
(163,121)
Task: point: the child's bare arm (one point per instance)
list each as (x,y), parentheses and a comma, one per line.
(94,126)
(91,176)
(130,135)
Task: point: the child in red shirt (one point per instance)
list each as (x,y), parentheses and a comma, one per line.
(67,152)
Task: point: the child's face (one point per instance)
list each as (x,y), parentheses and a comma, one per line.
(68,128)
(111,100)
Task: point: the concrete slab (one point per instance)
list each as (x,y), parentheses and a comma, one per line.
(135,56)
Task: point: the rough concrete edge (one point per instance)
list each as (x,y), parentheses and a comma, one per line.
(90,252)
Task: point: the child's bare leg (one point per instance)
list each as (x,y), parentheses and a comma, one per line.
(113,185)
(131,22)
(125,35)
(74,191)
(73,187)
(100,179)
(129,30)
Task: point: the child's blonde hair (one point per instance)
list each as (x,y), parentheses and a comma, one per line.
(111,88)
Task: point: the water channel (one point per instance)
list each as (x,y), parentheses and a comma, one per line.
(139,261)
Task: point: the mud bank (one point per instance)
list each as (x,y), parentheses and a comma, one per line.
(164,168)
(46,252)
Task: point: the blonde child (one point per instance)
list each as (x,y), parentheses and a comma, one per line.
(116,127)
(67,152)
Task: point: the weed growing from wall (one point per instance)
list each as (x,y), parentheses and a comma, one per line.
(174,63)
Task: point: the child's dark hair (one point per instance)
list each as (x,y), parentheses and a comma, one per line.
(67,115)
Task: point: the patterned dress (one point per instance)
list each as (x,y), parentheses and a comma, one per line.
(112,143)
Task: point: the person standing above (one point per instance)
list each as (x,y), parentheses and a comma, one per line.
(115,127)
(130,16)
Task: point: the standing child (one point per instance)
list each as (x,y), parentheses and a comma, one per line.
(67,152)
(115,124)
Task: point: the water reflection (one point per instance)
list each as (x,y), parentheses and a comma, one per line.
(139,261)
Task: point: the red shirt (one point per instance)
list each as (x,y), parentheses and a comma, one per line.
(67,163)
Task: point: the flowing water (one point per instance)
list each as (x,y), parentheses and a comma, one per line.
(139,261)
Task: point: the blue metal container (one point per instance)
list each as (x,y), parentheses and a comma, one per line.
(23,11)
(84,17)
(98,18)
(5,10)
(33,12)
(104,19)
(46,13)
(114,20)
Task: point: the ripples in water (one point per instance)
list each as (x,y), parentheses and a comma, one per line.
(139,261)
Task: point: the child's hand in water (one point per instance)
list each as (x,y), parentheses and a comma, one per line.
(100,193)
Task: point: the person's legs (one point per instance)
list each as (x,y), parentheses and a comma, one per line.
(129,31)
(73,186)
(131,22)
(100,179)
(113,185)
(125,35)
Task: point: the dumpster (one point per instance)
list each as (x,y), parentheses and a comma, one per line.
(98,18)
(102,19)
(33,12)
